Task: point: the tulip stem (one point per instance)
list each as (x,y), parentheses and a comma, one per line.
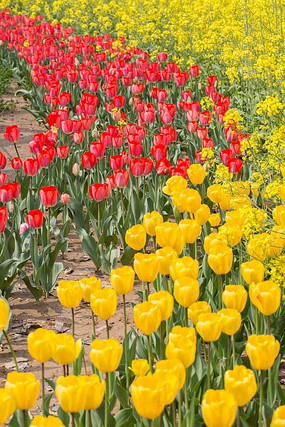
(209,366)
(43,389)
(11,349)
(180,408)
(161,341)
(23,417)
(106,399)
(48,227)
(73,322)
(228,351)
(89,419)
(94,325)
(174,413)
(234,351)
(260,423)
(186,316)
(149,423)
(186,399)
(107,328)
(150,353)
(238,416)
(72,420)
(268,325)
(16,149)
(220,290)
(126,343)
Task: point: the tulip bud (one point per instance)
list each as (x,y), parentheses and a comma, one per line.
(104,303)
(196,309)
(147,317)
(7,406)
(40,344)
(146,267)
(241,383)
(65,198)
(266,296)
(174,365)
(209,326)
(186,291)
(64,349)
(196,173)
(106,354)
(214,219)
(164,301)
(140,367)
(219,408)
(150,221)
(235,296)
(136,237)
(165,257)
(23,227)
(76,169)
(182,345)
(185,266)
(252,271)
(122,279)
(148,396)
(89,285)
(202,214)
(220,259)
(230,320)
(278,419)
(69,293)
(191,230)
(23,388)
(4,314)
(262,351)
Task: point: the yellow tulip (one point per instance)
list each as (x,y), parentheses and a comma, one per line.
(4,314)
(214,193)
(179,200)
(40,344)
(235,218)
(164,301)
(167,234)
(235,296)
(279,215)
(278,419)
(7,406)
(94,389)
(252,271)
(122,279)
(24,389)
(182,345)
(282,192)
(175,183)
(262,351)
(214,219)
(150,221)
(139,367)
(146,267)
(174,365)
(64,349)
(148,396)
(220,259)
(70,392)
(196,309)
(258,245)
(136,237)
(232,235)
(202,214)
(193,200)
(219,408)
(69,293)
(196,173)
(241,383)
(169,381)
(266,296)
(106,354)
(230,320)
(191,230)
(89,285)
(213,239)
(186,291)
(185,266)
(50,421)
(104,303)
(147,317)
(165,257)
(225,202)
(209,326)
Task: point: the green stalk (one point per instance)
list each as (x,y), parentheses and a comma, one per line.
(106,399)
(220,290)
(73,322)
(43,390)
(150,353)
(228,351)
(234,351)
(11,349)
(107,328)
(93,324)
(186,316)
(180,409)
(260,423)
(126,343)
(209,366)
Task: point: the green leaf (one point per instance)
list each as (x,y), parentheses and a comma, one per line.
(128,255)
(125,418)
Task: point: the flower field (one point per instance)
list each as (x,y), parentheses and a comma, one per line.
(162,150)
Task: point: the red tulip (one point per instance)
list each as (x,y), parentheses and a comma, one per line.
(62,151)
(3,178)
(161,56)
(163,167)
(212,80)
(3,218)
(158,152)
(9,192)
(97,148)
(12,133)
(135,149)
(99,192)
(235,165)
(205,117)
(65,198)
(44,158)
(49,196)
(35,218)
(16,163)
(78,137)
(226,155)
(121,178)
(116,162)
(194,71)
(192,126)
(88,160)
(31,167)
(186,95)
(3,161)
